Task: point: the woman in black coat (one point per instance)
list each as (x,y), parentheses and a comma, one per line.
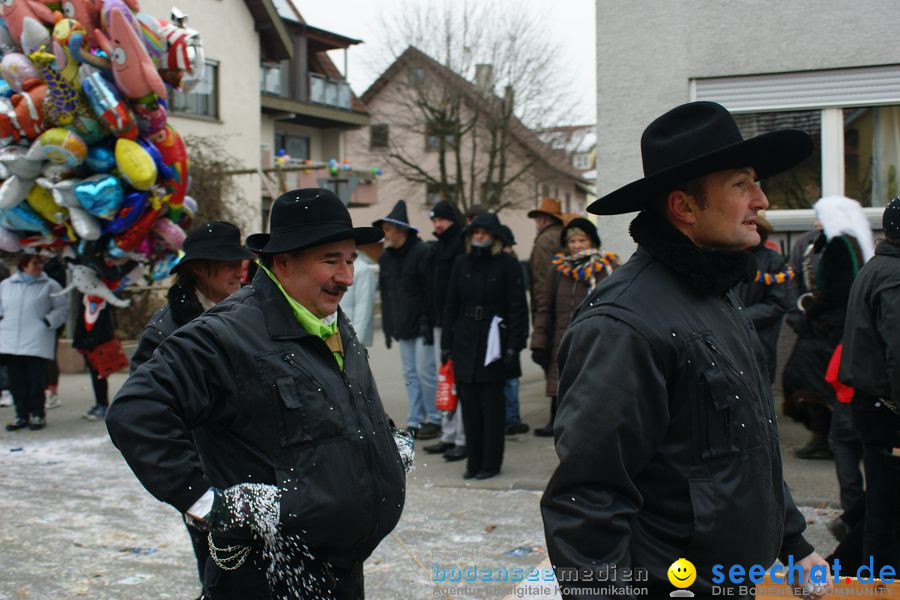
(485,283)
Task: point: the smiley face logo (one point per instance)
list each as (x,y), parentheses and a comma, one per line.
(682,573)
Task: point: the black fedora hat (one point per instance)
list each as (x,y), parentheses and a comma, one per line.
(215,240)
(309,217)
(696,139)
(397,217)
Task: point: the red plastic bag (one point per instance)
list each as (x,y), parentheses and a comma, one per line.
(445,400)
(844,392)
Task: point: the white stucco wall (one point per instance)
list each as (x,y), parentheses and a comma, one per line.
(647,53)
(229,37)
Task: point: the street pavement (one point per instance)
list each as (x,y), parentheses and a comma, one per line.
(75,523)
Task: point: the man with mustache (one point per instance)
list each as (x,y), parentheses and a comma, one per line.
(666,429)
(261,421)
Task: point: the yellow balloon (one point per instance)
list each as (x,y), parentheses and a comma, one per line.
(41,200)
(135,164)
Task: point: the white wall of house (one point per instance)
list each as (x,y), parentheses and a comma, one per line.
(230,38)
(649,52)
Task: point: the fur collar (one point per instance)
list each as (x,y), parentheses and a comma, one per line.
(710,272)
(183,303)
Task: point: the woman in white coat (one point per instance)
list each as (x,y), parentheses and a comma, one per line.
(29,317)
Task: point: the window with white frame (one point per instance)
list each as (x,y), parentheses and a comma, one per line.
(853,115)
(203,99)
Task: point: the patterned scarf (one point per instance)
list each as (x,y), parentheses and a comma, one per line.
(585,265)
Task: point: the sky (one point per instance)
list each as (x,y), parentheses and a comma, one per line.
(571,22)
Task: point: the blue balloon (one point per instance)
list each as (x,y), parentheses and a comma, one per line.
(23,218)
(162,266)
(132,210)
(100,195)
(163,171)
(100,159)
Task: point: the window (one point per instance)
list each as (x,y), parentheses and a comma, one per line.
(203,99)
(435,192)
(433,136)
(801,186)
(329,91)
(871,153)
(295,146)
(582,161)
(378,136)
(416,76)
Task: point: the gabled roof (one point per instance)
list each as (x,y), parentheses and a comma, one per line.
(412,56)
(275,43)
(571,139)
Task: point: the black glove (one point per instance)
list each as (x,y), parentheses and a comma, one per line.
(387,341)
(445,356)
(540,357)
(510,359)
(242,505)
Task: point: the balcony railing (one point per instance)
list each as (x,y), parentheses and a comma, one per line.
(329,92)
(271,79)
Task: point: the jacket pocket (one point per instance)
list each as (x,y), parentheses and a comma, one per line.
(703,505)
(308,415)
(717,416)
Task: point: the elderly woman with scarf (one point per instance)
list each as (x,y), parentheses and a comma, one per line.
(574,273)
(486,284)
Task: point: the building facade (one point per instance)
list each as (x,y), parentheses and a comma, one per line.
(828,67)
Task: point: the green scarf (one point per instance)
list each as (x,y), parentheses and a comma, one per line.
(308,321)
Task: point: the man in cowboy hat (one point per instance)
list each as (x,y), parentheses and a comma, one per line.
(261,421)
(406,316)
(666,430)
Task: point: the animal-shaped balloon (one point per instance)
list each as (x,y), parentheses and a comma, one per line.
(151,32)
(14,12)
(133,70)
(134,164)
(86,12)
(174,153)
(13,191)
(16,69)
(23,118)
(19,173)
(127,7)
(107,103)
(151,116)
(62,33)
(88,282)
(184,62)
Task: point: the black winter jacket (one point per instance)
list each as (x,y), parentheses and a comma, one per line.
(444,252)
(765,304)
(666,430)
(870,361)
(404,279)
(244,394)
(182,308)
(484,282)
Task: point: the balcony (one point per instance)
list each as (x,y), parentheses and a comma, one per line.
(329,92)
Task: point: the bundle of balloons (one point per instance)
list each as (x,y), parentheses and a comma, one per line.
(87,161)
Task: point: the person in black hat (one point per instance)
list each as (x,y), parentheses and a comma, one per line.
(666,430)
(261,421)
(486,327)
(449,245)
(208,272)
(405,280)
(870,364)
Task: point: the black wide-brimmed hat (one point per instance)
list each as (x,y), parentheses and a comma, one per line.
(397,217)
(309,217)
(215,240)
(697,139)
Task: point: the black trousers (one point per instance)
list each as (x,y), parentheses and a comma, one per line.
(879,429)
(100,385)
(27,378)
(484,419)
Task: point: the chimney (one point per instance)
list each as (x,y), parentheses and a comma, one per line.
(484,79)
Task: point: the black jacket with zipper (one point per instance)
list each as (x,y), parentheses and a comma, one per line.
(404,279)
(244,394)
(666,430)
(182,308)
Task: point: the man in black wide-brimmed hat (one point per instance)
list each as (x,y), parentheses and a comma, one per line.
(261,421)
(666,430)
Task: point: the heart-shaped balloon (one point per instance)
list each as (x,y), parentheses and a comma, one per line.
(131,211)
(100,195)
